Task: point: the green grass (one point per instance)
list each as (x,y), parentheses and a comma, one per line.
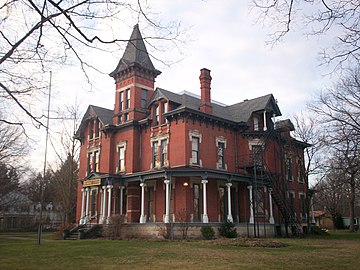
(340,250)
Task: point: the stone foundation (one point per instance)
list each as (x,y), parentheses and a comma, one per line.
(175,230)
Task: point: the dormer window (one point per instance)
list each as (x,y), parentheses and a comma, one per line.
(97,128)
(91,130)
(256,123)
(156,115)
(163,110)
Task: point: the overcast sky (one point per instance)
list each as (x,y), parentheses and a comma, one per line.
(223,37)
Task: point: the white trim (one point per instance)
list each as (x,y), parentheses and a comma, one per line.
(134,85)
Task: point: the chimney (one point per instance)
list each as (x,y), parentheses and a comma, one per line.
(205,87)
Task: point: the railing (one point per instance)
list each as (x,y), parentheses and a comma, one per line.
(255,164)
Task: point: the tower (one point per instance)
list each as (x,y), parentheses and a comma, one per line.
(134,78)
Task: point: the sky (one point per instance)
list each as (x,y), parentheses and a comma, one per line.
(222,36)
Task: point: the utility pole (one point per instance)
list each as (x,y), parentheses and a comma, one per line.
(45,160)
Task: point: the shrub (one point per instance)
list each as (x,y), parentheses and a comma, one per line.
(184,217)
(228,230)
(207,232)
(318,231)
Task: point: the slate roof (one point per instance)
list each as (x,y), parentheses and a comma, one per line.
(104,115)
(135,55)
(239,112)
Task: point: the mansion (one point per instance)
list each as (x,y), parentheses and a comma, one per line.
(159,156)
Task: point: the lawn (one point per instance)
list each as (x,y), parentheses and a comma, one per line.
(340,250)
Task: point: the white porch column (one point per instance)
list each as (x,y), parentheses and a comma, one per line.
(271,218)
(103,206)
(229,215)
(265,124)
(205,217)
(109,203)
(142,216)
(167,202)
(82,206)
(312,212)
(121,200)
(251,220)
(87,205)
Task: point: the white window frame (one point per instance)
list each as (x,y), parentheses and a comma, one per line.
(222,140)
(195,134)
(119,145)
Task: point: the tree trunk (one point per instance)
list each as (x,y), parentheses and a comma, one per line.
(352,203)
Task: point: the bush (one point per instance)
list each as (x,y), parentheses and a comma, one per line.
(207,232)
(318,231)
(228,230)
(338,221)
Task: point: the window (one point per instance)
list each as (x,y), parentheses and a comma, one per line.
(121,106)
(256,124)
(302,206)
(259,196)
(119,119)
(156,118)
(221,149)
(91,129)
(164,110)
(96,161)
(163,158)
(126,117)
(90,163)
(127,98)
(289,169)
(221,146)
(195,151)
(143,98)
(300,171)
(155,152)
(292,203)
(121,159)
(257,155)
(97,128)
(196,203)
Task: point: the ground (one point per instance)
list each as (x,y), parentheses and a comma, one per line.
(340,250)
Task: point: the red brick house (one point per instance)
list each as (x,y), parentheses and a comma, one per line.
(158,154)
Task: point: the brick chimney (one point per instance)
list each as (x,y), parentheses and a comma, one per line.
(205,87)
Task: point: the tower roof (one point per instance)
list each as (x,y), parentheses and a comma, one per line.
(135,55)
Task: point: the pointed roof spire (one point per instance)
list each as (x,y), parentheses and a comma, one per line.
(135,55)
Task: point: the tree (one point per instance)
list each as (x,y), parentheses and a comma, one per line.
(65,178)
(338,109)
(336,18)
(9,182)
(13,145)
(38,36)
(65,186)
(33,185)
(307,130)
